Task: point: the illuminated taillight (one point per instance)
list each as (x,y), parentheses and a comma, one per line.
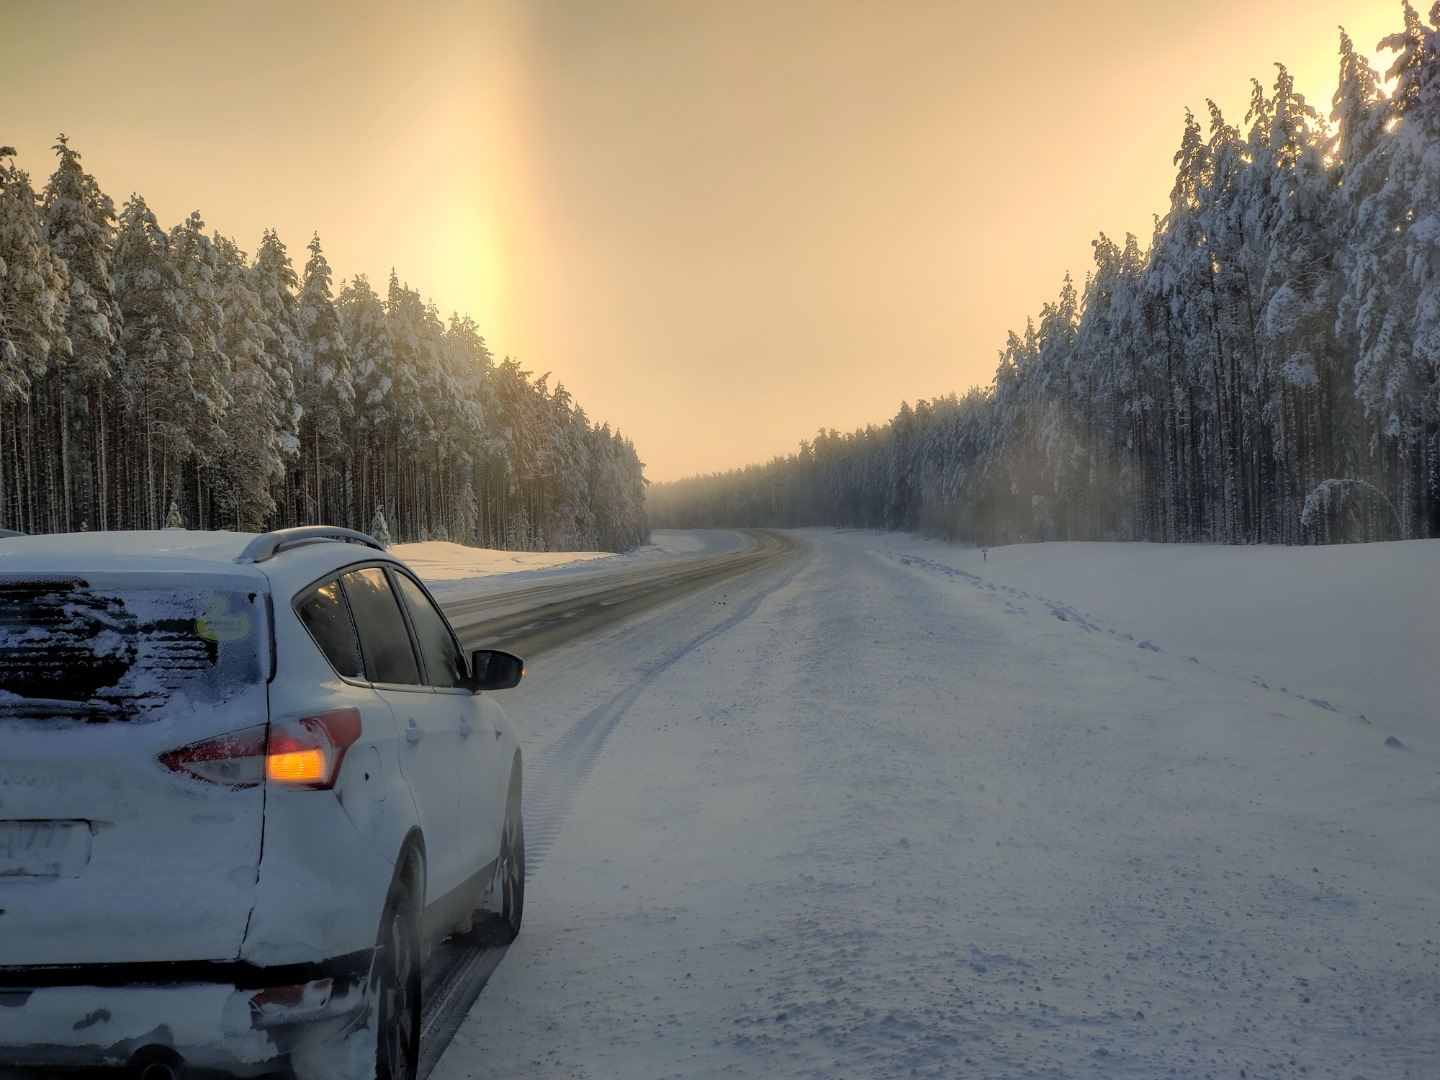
(236,760)
(306,753)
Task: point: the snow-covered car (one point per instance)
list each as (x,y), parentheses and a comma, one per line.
(246,784)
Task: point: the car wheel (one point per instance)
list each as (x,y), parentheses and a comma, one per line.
(499,922)
(397,1045)
(512,860)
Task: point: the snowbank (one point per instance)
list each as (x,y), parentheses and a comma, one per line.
(448,568)
(1356,627)
(438,561)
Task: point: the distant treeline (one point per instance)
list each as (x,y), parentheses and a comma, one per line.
(1267,371)
(143,369)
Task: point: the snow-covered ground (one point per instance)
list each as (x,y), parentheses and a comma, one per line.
(447,567)
(868,816)
(1356,626)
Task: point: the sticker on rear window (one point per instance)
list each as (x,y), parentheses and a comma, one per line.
(218,625)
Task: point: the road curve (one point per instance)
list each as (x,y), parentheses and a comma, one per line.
(540,617)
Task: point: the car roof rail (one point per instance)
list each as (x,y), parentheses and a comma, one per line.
(268,545)
(5,534)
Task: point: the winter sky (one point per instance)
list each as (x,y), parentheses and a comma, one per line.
(721,224)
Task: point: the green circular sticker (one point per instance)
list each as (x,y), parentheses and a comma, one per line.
(217,625)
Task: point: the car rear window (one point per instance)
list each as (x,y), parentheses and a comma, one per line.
(128,648)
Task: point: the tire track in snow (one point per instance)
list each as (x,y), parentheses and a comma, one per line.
(559,770)
(457,973)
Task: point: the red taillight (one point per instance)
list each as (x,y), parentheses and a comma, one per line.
(306,753)
(303,753)
(236,760)
(280,1001)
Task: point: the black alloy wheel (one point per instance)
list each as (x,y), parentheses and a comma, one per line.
(512,860)
(397,1046)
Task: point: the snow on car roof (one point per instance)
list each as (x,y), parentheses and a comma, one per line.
(97,548)
(180,552)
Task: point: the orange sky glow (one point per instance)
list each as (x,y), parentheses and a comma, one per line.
(721,224)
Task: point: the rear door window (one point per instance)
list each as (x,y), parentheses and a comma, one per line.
(444,663)
(326,615)
(130,647)
(384,638)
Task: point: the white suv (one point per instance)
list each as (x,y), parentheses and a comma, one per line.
(246,783)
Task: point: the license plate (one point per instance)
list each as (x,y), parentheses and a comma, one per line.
(43,849)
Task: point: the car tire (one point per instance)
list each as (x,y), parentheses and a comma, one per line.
(512,860)
(397,986)
(498,924)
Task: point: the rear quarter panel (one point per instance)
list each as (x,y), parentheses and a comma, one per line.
(328,855)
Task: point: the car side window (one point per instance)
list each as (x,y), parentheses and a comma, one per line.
(384,639)
(444,663)
(326,616)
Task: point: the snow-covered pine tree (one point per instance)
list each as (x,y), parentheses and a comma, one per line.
(163,408)
(253,467)
(324,392)
(469,362)
(34,298)
(1398,371)
(199,264)
(414,439)
(371,349)
(379,529)
(80,229)
(273,281)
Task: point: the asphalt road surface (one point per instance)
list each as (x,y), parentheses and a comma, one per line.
(529,622)
(535,619)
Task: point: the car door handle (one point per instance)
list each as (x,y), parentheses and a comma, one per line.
(466,728)
(414,733)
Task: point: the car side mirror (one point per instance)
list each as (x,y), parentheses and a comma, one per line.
(495,670)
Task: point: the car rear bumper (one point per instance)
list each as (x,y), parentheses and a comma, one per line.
(115,1019)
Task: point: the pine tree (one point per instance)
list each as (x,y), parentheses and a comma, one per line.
(167,415)
(34,301)
(273,281)
(379,530)
(324,393)
(370,347)
(254,465)
(80,229)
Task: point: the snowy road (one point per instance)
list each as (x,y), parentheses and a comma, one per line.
(854,817)
(536,618)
